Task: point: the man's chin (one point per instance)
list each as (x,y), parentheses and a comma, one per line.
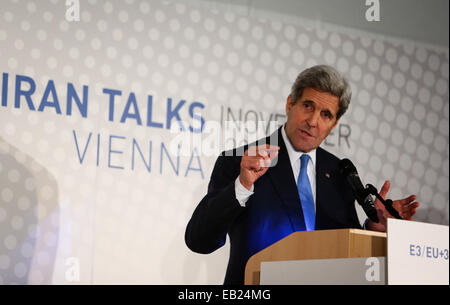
(304,147)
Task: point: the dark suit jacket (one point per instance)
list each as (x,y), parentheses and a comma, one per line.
(273,212)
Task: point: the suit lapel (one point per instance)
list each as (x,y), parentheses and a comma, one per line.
(283,180)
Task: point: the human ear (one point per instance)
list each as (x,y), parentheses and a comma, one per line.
(288,104)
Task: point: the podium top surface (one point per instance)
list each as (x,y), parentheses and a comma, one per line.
(365,232)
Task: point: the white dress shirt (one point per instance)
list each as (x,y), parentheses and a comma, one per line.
(242,194)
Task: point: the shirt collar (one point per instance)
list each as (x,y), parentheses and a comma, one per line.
(294,155)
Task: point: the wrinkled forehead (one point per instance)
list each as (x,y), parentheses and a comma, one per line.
(321,99)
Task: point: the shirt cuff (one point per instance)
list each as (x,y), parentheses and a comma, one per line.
(242,194)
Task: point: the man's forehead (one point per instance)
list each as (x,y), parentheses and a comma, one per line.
(322,98)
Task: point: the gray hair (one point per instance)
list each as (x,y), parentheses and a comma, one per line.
(326,79)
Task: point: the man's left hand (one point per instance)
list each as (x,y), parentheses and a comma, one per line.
(406,207)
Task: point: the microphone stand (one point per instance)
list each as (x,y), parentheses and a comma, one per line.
(387,203)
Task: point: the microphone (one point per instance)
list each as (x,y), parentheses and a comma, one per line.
(363,196)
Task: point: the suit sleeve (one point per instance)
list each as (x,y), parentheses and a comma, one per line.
(211,220)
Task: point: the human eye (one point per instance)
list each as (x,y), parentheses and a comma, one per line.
(307,105)
(327,115)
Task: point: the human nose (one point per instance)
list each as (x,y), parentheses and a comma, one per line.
(313,119)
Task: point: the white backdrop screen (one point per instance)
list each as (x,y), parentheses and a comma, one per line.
(95,187)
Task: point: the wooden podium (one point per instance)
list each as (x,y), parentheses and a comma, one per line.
(326,244)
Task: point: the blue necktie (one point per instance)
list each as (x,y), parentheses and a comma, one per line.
(305,193)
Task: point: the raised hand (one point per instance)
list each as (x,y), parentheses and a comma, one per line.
(255,163)
(406,207)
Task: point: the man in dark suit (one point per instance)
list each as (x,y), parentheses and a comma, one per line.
(285,184)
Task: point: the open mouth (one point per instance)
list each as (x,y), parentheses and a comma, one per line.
(305,133)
